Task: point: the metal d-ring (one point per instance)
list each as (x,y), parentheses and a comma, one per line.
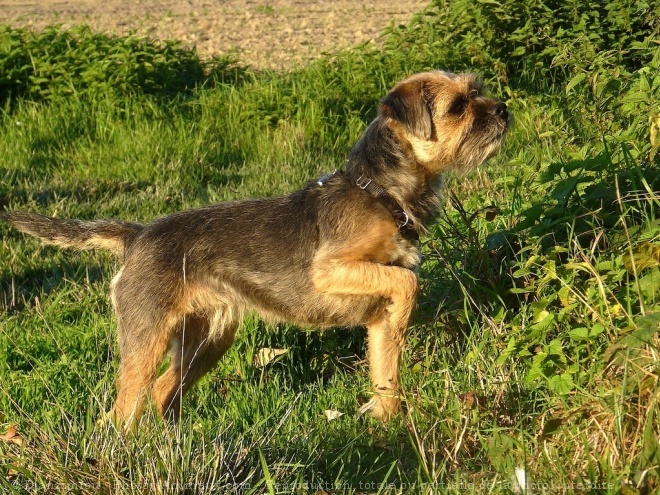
(407,220)
(363,183)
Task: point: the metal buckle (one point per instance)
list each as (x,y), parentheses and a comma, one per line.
(363,183)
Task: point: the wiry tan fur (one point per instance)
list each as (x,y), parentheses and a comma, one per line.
(329,254)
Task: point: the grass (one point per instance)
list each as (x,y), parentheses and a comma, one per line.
(535,345)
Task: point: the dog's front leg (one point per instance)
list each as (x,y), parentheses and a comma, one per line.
(386,332)
(386,340)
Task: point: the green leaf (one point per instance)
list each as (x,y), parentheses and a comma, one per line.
(579,334)
(651,447)
(554,348)
(565,188)
(577,79)
(507,352)
(499,448)
(536,371)
(270,485)
(561,384)
(649,285)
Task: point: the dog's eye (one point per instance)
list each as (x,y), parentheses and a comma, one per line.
(473,93)
(458,106)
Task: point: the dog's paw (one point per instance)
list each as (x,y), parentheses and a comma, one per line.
(411,259)
(381,408)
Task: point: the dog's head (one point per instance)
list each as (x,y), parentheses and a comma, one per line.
(444,120)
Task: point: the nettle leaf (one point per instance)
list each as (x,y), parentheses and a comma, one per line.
(579,334)
(550,269)
(533,214)
(561,384)
(533,374)
(555,348)
(536,371)
(606,265)
(633,341)
(599,192)
(550,173)
(649,285)
(515,290)
(551,426)
(545,323)
(596,330)
(575,81)
(526,269)
(635,97)
(497,240)
(647,325)
(565,188)
(499,448)
(507,352)
(566,296)
(538,309)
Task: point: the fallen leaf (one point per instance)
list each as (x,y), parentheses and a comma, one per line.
(332,414)
(550,427)
(266,355)
(12,436)
(469,399)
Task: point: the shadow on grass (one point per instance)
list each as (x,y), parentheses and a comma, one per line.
(17,287)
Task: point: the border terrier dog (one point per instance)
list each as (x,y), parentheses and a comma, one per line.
(342,251)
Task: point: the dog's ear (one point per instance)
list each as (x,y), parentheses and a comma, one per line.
(407,105)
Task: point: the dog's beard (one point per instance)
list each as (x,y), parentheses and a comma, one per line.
(477,147)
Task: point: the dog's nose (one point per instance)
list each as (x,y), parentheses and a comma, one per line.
(500,110)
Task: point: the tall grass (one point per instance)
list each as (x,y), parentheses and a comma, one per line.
(535,345)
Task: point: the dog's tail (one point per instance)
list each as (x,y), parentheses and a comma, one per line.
(114,235)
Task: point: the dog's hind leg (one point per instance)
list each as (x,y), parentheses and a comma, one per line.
(146,323)
(199,345)
(138,366)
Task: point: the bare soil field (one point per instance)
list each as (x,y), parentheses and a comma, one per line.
(276,34)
